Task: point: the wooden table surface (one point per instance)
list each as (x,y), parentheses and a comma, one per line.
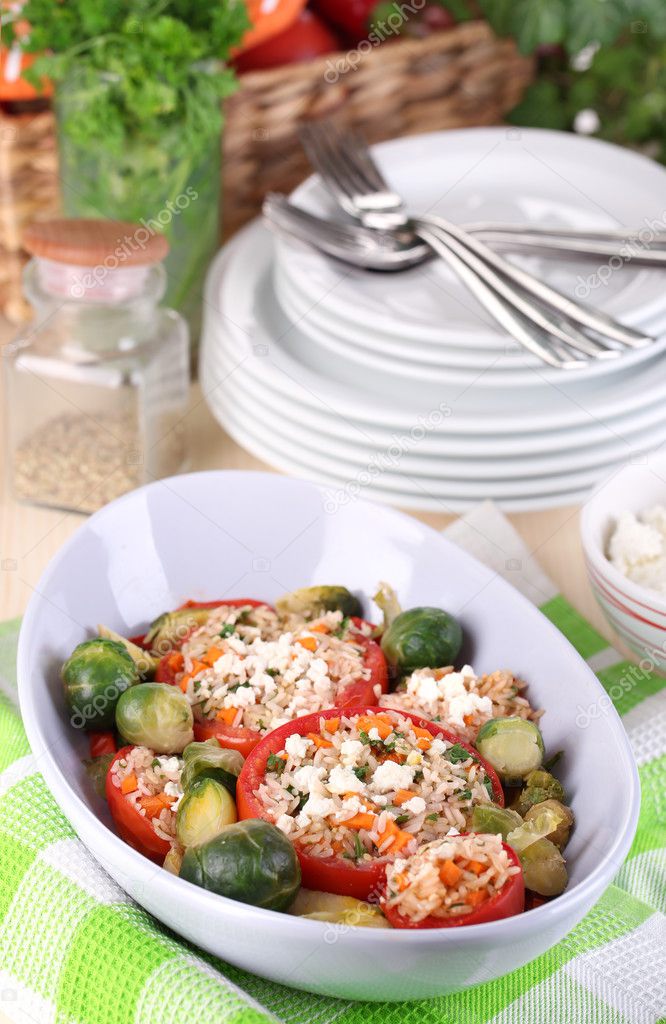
(30,536)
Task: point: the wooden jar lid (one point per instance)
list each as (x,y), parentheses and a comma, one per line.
(89,242)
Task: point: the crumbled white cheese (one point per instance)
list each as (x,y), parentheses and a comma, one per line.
(297,746)
(342,780)
(454,689)
(350,750)
(415,806)
(175,790)
(637,547)
(307,779)
(390,775)
(315,807)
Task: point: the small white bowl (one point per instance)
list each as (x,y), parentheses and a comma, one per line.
(636,613)
(210,535)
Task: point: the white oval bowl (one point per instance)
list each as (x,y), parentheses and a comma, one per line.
(635,612)
(222,534)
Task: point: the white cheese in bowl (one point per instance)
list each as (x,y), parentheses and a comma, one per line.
(637,547)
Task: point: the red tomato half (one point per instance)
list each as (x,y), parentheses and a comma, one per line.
(132,826)
(102,743)
(510,900)
(363,692)
(333,874)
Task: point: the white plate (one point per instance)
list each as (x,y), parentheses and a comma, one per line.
(239,312)
(400,356)
(396,479)
(498,174)
(343,358)
(341,489)
(628,431)
(216,534)
(407,456)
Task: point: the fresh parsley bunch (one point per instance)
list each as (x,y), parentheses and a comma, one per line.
(145,64)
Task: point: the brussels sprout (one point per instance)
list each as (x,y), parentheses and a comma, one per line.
(313,601)
(251,861)
(421,638)
(173,860)
(539,786)
(560,834)
(203,812)
(544,870)
(325,906)
(170,630)
(209,760)
(96,673)
(493,819)
(145,662)
(157,716)
(513,746)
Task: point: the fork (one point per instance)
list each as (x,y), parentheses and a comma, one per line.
(370,249)
(347,168)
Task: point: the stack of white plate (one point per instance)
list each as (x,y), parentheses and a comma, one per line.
(401,385)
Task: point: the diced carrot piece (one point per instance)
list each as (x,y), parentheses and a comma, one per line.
(399,841)
(318,740)
(176,661)
(154,805)
(332,724)
(308,642)
(129,784)
(227,715)
(337,846)
(359,820)
(185,681)
(400,838)
(319,627)
(449,872)
(425,733)
(396,758)
(476,866)
(211,655)
(402,796)
(378,722)
(198,666)
(468,719)
(423,743)
(473,899)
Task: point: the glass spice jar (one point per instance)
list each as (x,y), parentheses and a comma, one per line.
(97,384)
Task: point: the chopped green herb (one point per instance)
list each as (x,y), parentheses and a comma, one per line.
(466,794)
(457,754)
(432,817)
(487,782)
(275,764)
(359,849)
(273,672)
(364,738)
(227,630)
(361,771)
(401,819)
(343,627)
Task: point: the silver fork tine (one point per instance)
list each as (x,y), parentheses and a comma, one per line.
(325,160)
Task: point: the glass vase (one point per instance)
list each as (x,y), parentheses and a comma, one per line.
(162,181)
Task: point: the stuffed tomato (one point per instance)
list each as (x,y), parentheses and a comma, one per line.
(243,680)
(459,880)
(143,791)
(355,788)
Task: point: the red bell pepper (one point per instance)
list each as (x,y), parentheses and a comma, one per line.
(236,602)
(102,743)
(133,827)
(245,740)
(510,900)
(333,874)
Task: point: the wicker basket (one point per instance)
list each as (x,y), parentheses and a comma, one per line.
(462,77)
(453,79)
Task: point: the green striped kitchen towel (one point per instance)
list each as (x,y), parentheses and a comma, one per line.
(74,949)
